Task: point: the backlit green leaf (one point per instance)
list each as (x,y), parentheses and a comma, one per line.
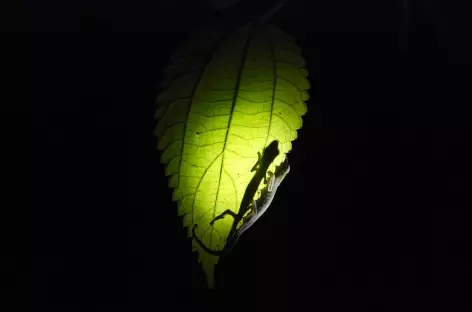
(223,99)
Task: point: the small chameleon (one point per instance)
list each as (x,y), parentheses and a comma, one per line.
(256,208)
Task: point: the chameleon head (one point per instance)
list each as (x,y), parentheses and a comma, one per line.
(272,150)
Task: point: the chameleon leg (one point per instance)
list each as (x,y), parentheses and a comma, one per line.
(221,216)
(259,156)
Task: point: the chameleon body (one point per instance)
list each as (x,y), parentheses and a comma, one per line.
(256,208)
(268,193)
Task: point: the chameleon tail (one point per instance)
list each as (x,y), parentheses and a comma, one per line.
(204,247)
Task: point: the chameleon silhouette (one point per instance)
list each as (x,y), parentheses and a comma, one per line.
(256,208)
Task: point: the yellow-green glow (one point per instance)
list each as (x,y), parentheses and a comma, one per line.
(221,103)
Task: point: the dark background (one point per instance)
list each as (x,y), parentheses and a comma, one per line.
(371,217)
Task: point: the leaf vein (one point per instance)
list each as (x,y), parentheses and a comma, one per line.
(246,99)
(202,145)
(234,186)
(203,176)
(250,114)
(240,136)
(249,127)
(180,75)
(288,104)
(172,103)
(255,91)
(234,152)
(284,121)
(290,82)
(289,63)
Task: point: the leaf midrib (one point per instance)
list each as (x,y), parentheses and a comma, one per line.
(233,104)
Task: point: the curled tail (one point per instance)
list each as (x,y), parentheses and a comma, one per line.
(204,247)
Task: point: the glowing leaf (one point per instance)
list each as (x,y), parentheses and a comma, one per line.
(224,98)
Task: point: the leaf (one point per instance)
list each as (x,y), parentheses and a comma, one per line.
(224,98)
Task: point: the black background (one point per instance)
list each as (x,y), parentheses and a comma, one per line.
(370,218)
